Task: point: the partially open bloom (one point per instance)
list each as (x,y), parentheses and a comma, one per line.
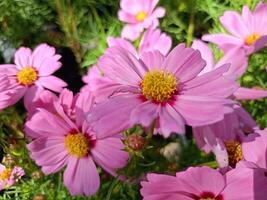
(63,138)
(138,15)
(31,73)
(203,183)
(227,137)
(167,90)
(247,31)
(238,67)
(9,177)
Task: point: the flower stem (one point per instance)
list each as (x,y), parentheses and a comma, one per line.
(113,184)
(190,30)
(151,132)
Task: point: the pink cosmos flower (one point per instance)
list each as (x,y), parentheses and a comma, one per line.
(165,89)
(203,183)
(95,79)
(226,138)
(60,141)
(9,177)
(238,67)
(139,15)
(247,31)
(5,93)
(31,73)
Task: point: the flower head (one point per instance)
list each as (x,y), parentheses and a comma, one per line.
(9,177)
(165,89)
(246,30)
(62,137)
(138,15)
(31,73)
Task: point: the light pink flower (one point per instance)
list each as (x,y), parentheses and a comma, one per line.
(9,177)
(139,15)
(226,138)
(238,67)
(61,141)
(31,73)
(167,90)
(247,31)
(203,183)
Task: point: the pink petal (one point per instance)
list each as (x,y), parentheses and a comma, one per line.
(153,60)
(120,108)
(144,113)
(23,57)
(112,42)
(224,41)
(131,32)
(185,63)
(32,95)
(206,54)
(8,69)
(109,154)
(249,94)
(170,121)
(81,176)
(52,83)
(234,24)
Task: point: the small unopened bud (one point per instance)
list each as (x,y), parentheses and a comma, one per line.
(37,175)
(39,197)
(135,142)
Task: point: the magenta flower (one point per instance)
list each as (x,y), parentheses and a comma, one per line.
(31,73)
(139,15)
(226,138)
(59,141)
(9,177)
(203,183)
(238,67)
(167,90)
(247,31)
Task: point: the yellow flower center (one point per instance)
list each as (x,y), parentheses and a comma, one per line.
(159,86)
(141,16)
(5,174)
(27,76)
(252,38)
(234,150)
(77,144)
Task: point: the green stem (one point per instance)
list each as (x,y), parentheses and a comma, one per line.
(249,3)
(190,30)
(113,184)
(151,132)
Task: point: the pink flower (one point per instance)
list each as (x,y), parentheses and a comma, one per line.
(203,183)
(238,67)
(5,92)
(167,90)
(95,78)
(59,141)
(9,177)
(247,31)
(139,15)
(31,73)
(226,138)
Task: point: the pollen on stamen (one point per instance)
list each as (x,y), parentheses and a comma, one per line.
(77,144)
(159,86)
(141,16)
(27,76)
(234,150)
(252,38)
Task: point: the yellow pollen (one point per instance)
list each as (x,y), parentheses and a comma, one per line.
(5,174)
(27,76)
(77,145)
(141,16)
(234,150)
(252,38)
(158,85)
